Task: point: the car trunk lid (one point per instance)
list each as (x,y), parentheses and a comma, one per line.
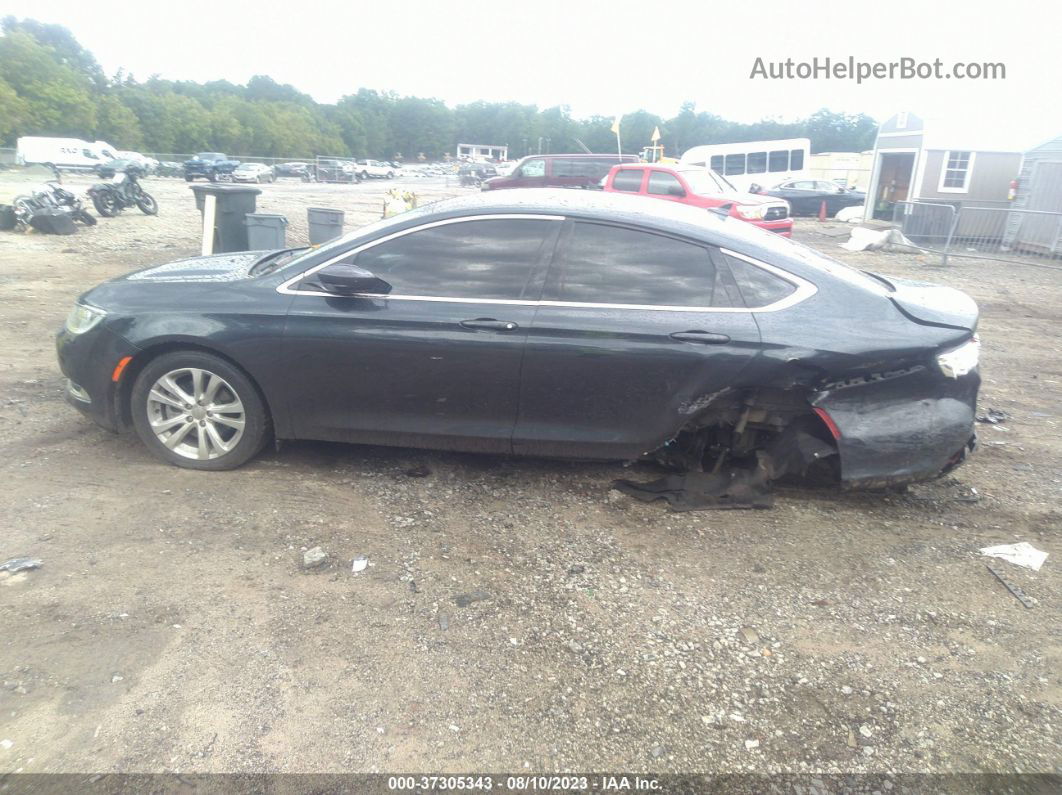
(932,304)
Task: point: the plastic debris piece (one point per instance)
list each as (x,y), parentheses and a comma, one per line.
(21,564)
(1020,554)
(360,564)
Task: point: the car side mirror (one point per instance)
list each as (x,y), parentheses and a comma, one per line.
(346,279)
(676,190)
(755,187)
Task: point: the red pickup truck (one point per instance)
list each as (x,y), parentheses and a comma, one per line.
(700,187)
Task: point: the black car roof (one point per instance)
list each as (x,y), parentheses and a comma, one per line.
(597,205)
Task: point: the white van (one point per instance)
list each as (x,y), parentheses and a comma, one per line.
(65,153)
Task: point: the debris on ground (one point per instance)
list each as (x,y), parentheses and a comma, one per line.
(16,565)
(314,558)
(419,471)
(465,599)
(993,417)
(1020,554)
(360,563)
(1014,589)
(750,635)
(864,239)
(698,491)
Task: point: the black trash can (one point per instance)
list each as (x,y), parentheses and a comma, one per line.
(266,232)
(234,202)
(325,224)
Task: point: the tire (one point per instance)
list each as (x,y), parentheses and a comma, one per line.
(188,178)
(258,179)
(390,175)
(23,207)
(364,175)
(212,176)
(147,204)
(105,204)
(197,439)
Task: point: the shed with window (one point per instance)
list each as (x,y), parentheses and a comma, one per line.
(965,165)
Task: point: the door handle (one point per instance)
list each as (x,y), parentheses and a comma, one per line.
(703,337)
(489,323)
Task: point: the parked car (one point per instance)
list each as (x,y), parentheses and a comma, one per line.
(328,170)
(210,165)
(169,168)
(375,168)
(699,187)
(294,169)
(805,196)
(656,327)
(148,165)
(254,172)
(559,171)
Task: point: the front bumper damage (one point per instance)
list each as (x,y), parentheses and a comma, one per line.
(901,427)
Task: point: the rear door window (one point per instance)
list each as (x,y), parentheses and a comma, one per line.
(628,179)
(605,264)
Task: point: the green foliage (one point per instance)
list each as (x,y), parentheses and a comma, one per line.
(51,85)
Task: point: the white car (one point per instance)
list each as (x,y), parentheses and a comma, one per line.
(375,168)
(149,164)
(254,172)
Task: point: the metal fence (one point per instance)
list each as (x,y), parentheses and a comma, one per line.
(985,230)
(8,157)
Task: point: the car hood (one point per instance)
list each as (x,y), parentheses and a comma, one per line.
(215,268)
(752,198)
(934,305)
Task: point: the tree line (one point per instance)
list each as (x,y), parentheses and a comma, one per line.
(51,85)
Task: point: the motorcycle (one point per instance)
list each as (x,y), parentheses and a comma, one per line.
(48,198)
(124,190)
(64,198)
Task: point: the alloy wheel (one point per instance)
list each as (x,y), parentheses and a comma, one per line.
(196,413)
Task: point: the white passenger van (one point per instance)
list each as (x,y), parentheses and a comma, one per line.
(763,163)
(65,153)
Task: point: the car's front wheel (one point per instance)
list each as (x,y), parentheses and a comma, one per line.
(198,411)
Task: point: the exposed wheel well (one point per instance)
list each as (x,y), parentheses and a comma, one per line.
(146,356)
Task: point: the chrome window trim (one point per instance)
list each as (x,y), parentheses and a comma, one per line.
(804,289)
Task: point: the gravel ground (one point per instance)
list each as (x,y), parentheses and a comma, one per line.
(515,615)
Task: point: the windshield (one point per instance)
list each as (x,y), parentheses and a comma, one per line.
(209,156)
(705,182)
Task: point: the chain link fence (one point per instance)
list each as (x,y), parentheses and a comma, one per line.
(985,230)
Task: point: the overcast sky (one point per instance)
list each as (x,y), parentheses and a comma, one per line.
(597,57)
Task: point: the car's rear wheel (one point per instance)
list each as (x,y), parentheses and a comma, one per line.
(198,411)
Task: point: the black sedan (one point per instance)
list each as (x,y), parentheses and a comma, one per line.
(805,196)
(539,322)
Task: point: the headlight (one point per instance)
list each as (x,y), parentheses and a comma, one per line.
(83,317)
(752,211)
(962,360)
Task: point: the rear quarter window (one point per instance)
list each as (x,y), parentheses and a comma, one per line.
(758,287)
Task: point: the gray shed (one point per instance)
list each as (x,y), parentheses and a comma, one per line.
(1039,188)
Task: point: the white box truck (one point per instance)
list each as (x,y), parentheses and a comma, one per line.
(64,153)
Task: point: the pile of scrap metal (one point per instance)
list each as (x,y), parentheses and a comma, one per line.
(32,197)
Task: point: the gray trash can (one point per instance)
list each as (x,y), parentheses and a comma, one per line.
(325,224)
(233,203)
(266,232)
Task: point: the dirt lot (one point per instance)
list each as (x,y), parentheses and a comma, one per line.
(515,615)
